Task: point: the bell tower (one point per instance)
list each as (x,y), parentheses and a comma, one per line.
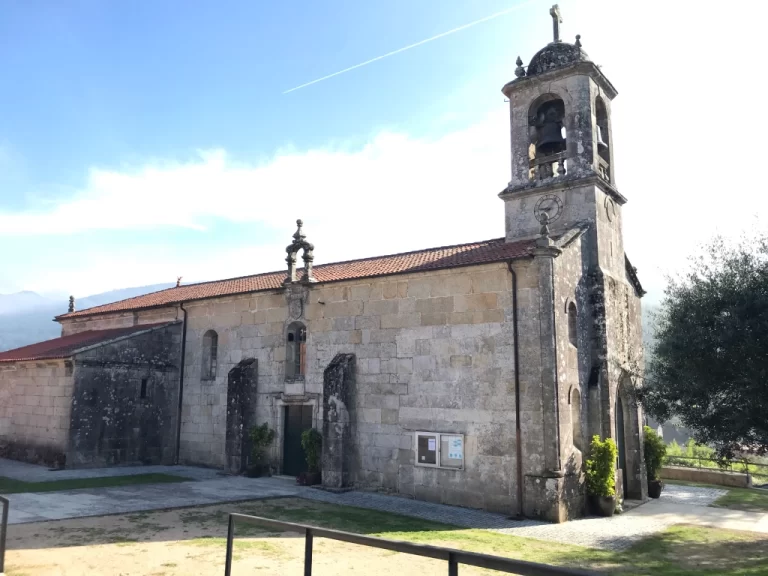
(586,311)
(560,117)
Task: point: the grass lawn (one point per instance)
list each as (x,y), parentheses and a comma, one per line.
(192,540)
(748,499)
(11,486)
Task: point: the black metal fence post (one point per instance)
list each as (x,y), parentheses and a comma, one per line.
(3,531)
(308,552)
(230,545)
(453,566)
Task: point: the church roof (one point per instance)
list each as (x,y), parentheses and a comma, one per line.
(66,346)
(496,250)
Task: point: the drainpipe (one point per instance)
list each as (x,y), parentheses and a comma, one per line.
(518,431)
(181,381)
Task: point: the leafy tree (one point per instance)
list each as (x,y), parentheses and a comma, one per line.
(709,365)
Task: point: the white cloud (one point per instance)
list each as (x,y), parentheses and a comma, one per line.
(393,182)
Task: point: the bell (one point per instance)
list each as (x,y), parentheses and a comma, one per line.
(550,139)
(600,142)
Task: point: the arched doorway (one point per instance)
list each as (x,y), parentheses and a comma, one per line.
(621,442)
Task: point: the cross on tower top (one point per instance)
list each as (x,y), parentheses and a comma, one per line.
(557,19)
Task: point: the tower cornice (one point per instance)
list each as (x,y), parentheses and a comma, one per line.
(579,68)
(563,183)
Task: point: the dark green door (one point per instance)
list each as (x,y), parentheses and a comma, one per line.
(297,419)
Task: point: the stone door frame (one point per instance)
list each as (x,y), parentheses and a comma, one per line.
(280,403)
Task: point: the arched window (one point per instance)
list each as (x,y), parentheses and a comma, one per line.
(573,324)
(295,350)
(576,419)
(210,355)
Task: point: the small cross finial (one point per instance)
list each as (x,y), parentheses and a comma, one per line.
(557,19)
(178,281)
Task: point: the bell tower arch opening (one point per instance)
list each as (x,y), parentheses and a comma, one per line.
(603,139)
(546,120)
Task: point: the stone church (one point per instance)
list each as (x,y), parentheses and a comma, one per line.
(472,375)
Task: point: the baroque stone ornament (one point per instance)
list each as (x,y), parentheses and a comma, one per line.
(71,307)
(550,206)
(519,71)
(299,243)
(296,308)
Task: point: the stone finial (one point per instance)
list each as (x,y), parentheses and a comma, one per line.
(519,71)
(299,243)
(578,41)
(557,19)
(71,307)
(544,220)
(178,281)
(544,241)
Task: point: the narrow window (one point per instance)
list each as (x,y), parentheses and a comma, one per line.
(210,353)
(576,419)
(295,350)
(572,324)
(143,392)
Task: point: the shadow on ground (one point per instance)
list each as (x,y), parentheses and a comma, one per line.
(679,550)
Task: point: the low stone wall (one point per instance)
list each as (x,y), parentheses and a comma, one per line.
(707,476)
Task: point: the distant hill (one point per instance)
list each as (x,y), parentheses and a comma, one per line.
(22,302)
(27,317)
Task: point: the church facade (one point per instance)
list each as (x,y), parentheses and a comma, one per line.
(472,375)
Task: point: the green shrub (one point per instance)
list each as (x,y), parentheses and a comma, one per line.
(261,437)
(312,442)
(601,467)
(654,450)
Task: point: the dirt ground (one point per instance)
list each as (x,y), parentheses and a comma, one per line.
(190,541)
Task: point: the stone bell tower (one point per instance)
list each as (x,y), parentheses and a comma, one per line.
(563,183)
(560,116)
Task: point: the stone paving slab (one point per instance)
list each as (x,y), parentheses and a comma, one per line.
(35,473)
(37,507)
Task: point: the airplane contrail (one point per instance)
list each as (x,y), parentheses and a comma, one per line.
(399,50)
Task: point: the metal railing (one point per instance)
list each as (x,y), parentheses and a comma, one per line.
(3,531)
(453,557)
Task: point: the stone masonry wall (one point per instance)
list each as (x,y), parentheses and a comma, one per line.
(35,402)
(111,422)
(120,320)
(434,353)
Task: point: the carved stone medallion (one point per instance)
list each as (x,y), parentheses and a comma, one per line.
(296,308)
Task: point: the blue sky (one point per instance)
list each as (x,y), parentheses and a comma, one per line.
(144,140)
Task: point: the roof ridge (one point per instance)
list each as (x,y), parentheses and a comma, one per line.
(316,267)
(421,260)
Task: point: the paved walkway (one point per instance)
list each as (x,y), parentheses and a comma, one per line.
(678,504)
(34,473)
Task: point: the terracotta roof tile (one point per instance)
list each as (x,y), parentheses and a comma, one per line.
(496,250)
(66,346)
